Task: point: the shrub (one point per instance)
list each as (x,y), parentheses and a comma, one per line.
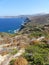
(37,54)
(14,51)
(12,61)
(21,61)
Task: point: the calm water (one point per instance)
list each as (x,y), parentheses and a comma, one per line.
(10,24)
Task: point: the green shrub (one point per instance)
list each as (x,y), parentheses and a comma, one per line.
(12,61)
(14,51)
(37,54)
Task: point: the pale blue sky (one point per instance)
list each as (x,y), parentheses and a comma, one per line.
(23,7)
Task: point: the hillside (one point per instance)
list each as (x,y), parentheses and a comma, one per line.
(36,21)
(30,45)
(38,18)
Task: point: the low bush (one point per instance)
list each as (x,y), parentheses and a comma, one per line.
(37,54)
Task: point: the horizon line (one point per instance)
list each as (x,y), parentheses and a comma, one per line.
(23,15)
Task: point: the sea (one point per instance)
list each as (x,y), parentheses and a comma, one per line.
(11,25)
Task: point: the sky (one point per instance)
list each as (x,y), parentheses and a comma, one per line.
(23,7)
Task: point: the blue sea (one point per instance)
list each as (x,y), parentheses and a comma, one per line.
(11,24)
